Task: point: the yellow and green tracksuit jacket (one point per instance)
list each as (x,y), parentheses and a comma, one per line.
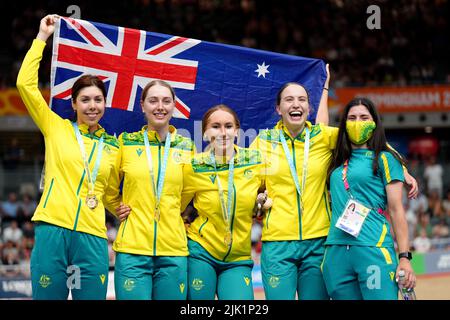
(141,233)
(208,229)
(285,221)
(63,200)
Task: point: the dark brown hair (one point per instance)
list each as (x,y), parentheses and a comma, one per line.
(280,92)
(223,107)
(154,83)
(87,80)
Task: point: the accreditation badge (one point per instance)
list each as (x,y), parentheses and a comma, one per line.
(91,201)
(352,218)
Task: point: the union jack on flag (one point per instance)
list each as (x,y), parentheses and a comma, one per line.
(203,74)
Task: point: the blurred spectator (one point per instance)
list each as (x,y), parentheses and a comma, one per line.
(28,235)
(419,204)
(13,154)
(10,254)
(416,170)
(423,223)
(9,208)
(26,209)
(111,233)
(433,175)
(446,204)
(422,243)
(13,233)
(411,217)
(256,232)
(328,30)
(440,225)
(24,262)
(28,188)
(434,204)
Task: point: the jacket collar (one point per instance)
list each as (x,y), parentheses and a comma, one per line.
(153,136)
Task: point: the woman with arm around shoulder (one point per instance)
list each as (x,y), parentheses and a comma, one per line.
(151,246)
(70,237)
(224,182)
(360,260)
(295,227)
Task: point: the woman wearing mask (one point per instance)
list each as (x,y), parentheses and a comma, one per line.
(365,175)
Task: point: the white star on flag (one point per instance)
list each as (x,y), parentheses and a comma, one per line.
(262,69)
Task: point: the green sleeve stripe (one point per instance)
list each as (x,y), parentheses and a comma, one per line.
(77,215)
(386,168)
(49,191)
(201,227)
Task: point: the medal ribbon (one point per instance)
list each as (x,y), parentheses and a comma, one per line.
(290,161)
(157,189)
(91,178)
(226,210)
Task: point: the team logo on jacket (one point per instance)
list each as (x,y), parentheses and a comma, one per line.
(139,151)
(102,278)
(45,281)
(212,177)
(392,274)
(129,284)
(182,287)
(176,157)
(107,149)
(248,173)
(274,281)
(197,284)
(247,281)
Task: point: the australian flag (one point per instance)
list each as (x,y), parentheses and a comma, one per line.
(203,74)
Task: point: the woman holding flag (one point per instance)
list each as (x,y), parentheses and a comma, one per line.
(71,250)
(151,246)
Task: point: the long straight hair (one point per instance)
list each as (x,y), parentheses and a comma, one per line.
(377,143)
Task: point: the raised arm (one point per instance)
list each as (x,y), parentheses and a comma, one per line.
(27,79)
(322,113)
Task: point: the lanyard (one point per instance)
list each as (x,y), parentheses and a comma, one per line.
(291,162)
(91,178)
(347,186)
(226,210)
(157,189)
(344,176)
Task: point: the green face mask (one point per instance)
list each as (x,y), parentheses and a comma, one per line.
(360,131)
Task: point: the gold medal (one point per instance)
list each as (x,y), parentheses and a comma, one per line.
(227,239)
(157,214)
(91,201)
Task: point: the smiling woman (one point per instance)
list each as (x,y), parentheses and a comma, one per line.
(295,227)
(224,182)
(88,101)
(151,247)
(79,159)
